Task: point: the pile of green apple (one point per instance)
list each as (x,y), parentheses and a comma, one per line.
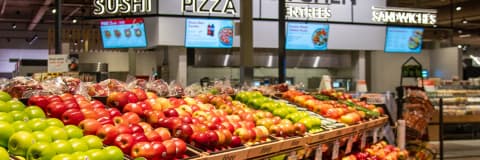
(284,110)
(27,133)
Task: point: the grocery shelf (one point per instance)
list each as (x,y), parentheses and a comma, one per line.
(293,144)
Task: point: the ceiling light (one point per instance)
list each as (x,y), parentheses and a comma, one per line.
(54,11)
(460,46)
(74,20)
(317,61)
(225,61)
(458,8)
(464,21)
(14,26)
(435,26)
(270,61)
(460,31)
(81,41)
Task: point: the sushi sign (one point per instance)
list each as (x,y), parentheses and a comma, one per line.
(404,15)
(113,7)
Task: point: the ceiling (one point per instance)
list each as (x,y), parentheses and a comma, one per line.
(36,16)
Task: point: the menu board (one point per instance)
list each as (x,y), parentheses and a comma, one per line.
(208,33)
(123,33)
(306,36)
(404,40)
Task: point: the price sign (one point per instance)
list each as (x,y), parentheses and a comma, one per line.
(319,153)
(374,98)
(336,147)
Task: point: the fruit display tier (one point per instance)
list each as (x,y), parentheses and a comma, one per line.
(297,143)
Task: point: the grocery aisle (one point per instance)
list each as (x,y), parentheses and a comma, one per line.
(460,149)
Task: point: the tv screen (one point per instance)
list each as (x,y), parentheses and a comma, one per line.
(123,33)
(306,36)
(404,40)
(208,33)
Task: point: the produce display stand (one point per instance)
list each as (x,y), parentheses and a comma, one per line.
(288,145)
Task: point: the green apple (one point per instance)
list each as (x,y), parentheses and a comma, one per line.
(311,122)
(34,112)
(19,143)
(40,151)
(281,112)
(79,156)
(16,105)
(56,133)
(113,153)
(93,142)
(37,124)
(5,107)
(6,117)
(54,122)
(78,145)
(4,96)
(63,157)
(73,131)
(21,126)
(4,153)
(96,154)
(62,146)
(41,136)
(19,116)
(6,131)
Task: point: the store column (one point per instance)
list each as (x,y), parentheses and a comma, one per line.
(132,62)
(58,27)
(246,42)
(177,64)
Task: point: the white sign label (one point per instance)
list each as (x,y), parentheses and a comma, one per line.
(209,6)
(404,15)
(57,63)
(103,7)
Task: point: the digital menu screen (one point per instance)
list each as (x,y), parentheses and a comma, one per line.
(306,36)
(208,33)
(404,40)
(123,33)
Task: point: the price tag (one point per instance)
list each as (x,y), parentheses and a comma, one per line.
(319,153)
(349,145)
(336,147)
(363,140)
(375,135)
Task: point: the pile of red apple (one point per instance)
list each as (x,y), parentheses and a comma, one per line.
(275,125)
(127,131)
(332,108)
(379,151)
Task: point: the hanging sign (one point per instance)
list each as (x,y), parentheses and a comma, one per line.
(312,9)
(114,7)
(404,15)
(209,6)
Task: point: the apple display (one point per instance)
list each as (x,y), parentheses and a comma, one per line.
(7,130)
(93,142)
(56,133)
(41,136)
(19,143)
(78,145)
(34,112)
(90,126)
(40,151)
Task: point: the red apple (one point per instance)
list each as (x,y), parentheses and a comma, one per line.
(228,136)
(105,120)
(146,127)
(125,142)
(113,112)
(164,133)
(180,147)
(89,113)
(54,98)
(212,139)
(151,95)
(136,128)
(159,148)
(55,109)
(133,107)
(153,136)
(143,149)
(171,148)
(185,131)
(117,120)
(131,98)
(140,94)
(90,126)
(97,104)
(66,96)
(71,104)
(139,137)
(117,100)
(84,104)
(131,117)
(124,129)
(108,133)
(170,112)
(153,116)
(172,123)
(101,112)
(236,141)
(37,100)
(72,116)
(200,139)
(145,107)
(300,129)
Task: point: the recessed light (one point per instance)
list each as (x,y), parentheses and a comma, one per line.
(74,20)
(458,8)
(54,11)
(435,26)
(14,26)
(460,46)
(459,31)
(464,21)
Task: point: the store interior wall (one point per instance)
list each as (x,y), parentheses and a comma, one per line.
(385,69)
(445,63)
(6,54)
